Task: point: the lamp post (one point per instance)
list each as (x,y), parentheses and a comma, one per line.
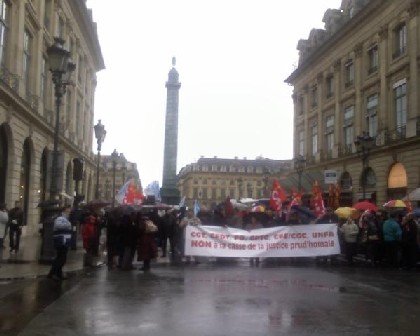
(100,134)
(364,144)
(60,65)
(299,164)
(114,157)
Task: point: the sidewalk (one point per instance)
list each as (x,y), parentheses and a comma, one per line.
(25,264)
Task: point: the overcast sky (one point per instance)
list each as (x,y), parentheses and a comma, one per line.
(232,57)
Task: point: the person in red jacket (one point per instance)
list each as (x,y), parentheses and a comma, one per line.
(89,241)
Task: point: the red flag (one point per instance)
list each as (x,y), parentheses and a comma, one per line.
(277,197)
(133,195)
(317,201)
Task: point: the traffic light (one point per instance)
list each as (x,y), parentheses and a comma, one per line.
(78,169)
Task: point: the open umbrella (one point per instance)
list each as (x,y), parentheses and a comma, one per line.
(346,212)
(97,204)
(156,206)
(365,205)
(395,204)
(413,196)
(304,211)
(258,208)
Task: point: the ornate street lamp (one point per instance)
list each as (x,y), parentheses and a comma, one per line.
(299,164)
(100,134)
(114,158)
(364,144)
(61,68)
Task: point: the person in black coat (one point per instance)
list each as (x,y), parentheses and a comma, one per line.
(409,243)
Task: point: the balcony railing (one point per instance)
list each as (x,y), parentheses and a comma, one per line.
(344,150)
(395,135)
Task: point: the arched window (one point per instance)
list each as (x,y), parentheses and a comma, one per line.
(346,182)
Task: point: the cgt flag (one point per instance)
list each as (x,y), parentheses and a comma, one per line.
(196,208)
(317,200)
(277,197)
(129,194)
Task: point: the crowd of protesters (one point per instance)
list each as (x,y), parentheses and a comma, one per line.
(380,239)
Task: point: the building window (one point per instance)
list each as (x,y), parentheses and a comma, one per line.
(204,193)
(314,94)
(349,73)
(60,32)
(27,57)
(80,69)
(329,133)
(4,15)
(68,108)
(195,193)
(373,59)
(400,35)
(47,14)
(371,115)
(329,86)
(314,133)
(213,193)
(44,78)
(301,144)
(301,105)
(223,193)
(400,94)
(78,112)
(348,127)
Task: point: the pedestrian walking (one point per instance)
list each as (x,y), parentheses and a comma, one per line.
(89,234)
(62,230)
(15,227)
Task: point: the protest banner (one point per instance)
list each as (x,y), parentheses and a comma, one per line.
(282,241)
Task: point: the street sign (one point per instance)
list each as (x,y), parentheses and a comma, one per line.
(330,176)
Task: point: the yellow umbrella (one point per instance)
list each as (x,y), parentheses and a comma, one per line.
(395,204)
(346,212)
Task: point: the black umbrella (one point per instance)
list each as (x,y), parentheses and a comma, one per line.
(304,212)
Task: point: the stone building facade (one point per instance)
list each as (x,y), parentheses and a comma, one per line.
(124,171)
(212,180)
(27,105)
(360,77)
